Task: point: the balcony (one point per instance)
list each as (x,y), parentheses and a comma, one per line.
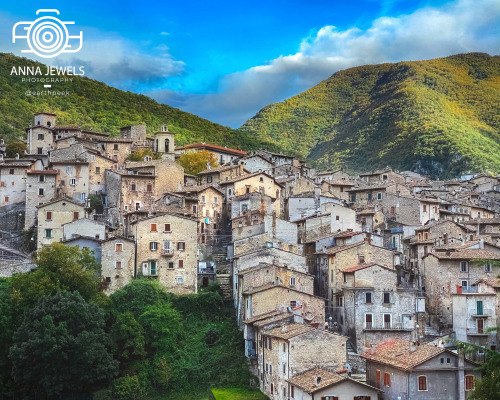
(486,313)
(477,332)
(167,252)
(387,326)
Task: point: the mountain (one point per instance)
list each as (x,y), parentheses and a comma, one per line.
(102,108)
(440,117)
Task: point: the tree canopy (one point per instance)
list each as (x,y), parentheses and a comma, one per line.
(194,162)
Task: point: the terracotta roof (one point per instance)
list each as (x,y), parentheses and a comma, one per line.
(402,354)
(365,212)
(490,280)
(197,189)
(274,318)
(359,267)
(219,169)
(43,171)
(339,183)
(246,176)
(66,199)
(211,147)
(483,221)
(290,331)
(114,139)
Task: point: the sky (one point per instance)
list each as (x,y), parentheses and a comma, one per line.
(225,60)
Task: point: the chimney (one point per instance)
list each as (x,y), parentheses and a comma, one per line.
(481,243)
(372,348)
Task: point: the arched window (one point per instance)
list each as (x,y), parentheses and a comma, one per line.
(48,123)
(167,144)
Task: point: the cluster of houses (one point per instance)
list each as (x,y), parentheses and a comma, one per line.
(330,274)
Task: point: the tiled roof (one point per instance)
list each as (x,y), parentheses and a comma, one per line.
(337,249)
(289,331)
(43,171)
(308,380)
(467,254)
(197,189)
(262,316)
(346,234)
(219,169)
(359,267)
(211,147)
(490,280)
(402,354)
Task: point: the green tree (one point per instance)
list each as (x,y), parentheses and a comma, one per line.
(60,267)
(61,348)
(140,154)
(194,162)
(15,148)
(128,339)
(6,332)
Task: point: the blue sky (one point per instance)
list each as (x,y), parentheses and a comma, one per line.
(225,60)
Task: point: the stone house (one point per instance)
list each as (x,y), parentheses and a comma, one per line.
(73,179)
(368,196)
(250,183)
(207,208)
(278,158)
(334,175)
(452,272)
(329,264)
(419,372)
(271,296)
(256,163)
(338,188)
(382,308)
(250,209)
(320,383)
(40,189)
(296,184)
(475,310)
(117,263)
(39,135)
(52,216)
(97,172)
(169,176)
(409,210)
(223,154)
(167,249)
(213,176)
(13,180)
(263,274)
(291,349)
(384,175)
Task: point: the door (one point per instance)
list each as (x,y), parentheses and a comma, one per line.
(368,321)
(205,281)
(480,325)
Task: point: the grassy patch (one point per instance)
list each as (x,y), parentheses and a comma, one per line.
(238,394)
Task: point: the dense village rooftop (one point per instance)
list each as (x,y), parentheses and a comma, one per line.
(289,331)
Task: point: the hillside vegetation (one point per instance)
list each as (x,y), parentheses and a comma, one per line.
(440,117)
(102,108)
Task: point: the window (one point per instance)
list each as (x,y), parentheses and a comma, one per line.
(377,382)
(292,281)
(41,178)
(215,200)
(270,346)
(82,197)
(203,199)
(181,246)
(387,321)
(425,208)
(293,303)
(387,297)
(76,215)
(180,280)
(153,246)
(40,136)
(72,182)
(119,247)
(41,191)
(284,347)
(39,150)
(11,171)
(292,391)
(6,198)
(209,179)
(181,263)
(368,321)
(167,228)
(115,146)
(487,267)
(469,382)
(464,266)
(97,170)
(368,297)
(353,197)
(48,233)
(344,275)
(464,284)
(370,196)
(270,365)
(153,228)
(133,187)
(170,264)
(149,187)
(261,179)
(272,386)
(393,210)
(194,210)
(49,216)
(118,264)
(284,390)
(379,196)
(387,379)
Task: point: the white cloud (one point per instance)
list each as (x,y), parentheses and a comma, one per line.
(458,27)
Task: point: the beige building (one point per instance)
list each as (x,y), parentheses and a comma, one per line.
(319,383)
(214,176)
(249,183)
(167,249)
(51,218)
(222,153)
(13,181)
(39,135)
(118,263)
(84,227)
(40,189)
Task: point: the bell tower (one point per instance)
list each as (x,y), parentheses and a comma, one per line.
(165,143)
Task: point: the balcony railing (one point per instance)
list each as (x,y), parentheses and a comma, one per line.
(477,332)
(394,326)
(167,252)
(466,289)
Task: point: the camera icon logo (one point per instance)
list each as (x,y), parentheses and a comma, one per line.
(47,36)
